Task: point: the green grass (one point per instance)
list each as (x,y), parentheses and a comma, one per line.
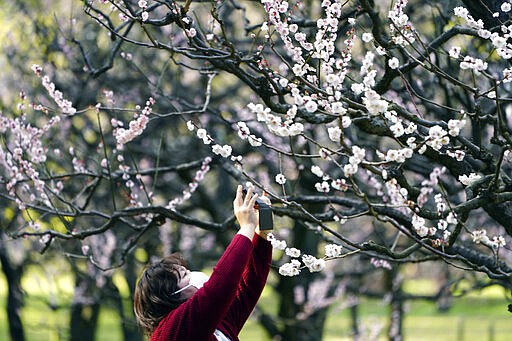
(472,318)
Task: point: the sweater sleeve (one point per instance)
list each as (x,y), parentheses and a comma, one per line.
(250,287)
(199,316)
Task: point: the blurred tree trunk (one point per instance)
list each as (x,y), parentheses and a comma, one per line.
(85,310)
(128,322)
(128,325)
(394,286)
(13,274)
(354,317)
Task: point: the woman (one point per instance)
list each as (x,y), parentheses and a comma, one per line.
(169,307)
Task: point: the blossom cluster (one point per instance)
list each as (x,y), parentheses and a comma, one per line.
(25,153)
(398,197)
(335,132)
(380,263)
(192,186)
(426,190)
(224,150)
(463,13)
(65,105)
(294,266)
(497,39)
(469,179)
(357,157)
(401,29)
(438,138)
(135,128)
(275,123)
(480,237)
(245,134)
(472,63)
(143,5)
(327,182)
(298,47)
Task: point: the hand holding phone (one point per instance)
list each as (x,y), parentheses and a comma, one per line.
(266,221)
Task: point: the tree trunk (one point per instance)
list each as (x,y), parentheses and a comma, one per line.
(394,283)
(85,310)
(84,320)
(354,318)
(128,322)
(13,275)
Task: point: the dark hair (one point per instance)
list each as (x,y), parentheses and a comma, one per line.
(153,298)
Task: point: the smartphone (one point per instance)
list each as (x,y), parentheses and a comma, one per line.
(266,220)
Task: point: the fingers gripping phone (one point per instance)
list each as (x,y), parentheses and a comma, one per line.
(266,221)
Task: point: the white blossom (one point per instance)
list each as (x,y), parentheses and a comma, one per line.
(317,171)
(311,106)
(191,32)
(339,184)
(451,218)
(499,241)
(292,252)
(313,264)
(454,52)
(276,243)
(455,126)
(357,88)
(289,269)
(338,108)
(469,179)
(224,151)
(334,133)
(393,63)
(333,250)
(419,225)
(498,41)
(367,37)
(203,134)
(437,137)
(280,179)
(373,102)
(397,129)
(480,236)
(475,64)
(486,34)
(507,75)
(243,130)
(349,170)
(346,121)
(322,187)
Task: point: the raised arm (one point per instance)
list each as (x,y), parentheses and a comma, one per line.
(252,283)
(198,317)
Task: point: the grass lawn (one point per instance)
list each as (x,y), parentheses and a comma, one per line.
(477,317)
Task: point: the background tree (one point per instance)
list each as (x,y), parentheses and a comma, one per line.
(382,127)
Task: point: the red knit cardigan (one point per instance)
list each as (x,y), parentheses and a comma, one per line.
(226,300)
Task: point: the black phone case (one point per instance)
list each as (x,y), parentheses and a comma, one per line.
(266,220)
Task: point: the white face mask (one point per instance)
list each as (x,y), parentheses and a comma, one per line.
(197,279)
